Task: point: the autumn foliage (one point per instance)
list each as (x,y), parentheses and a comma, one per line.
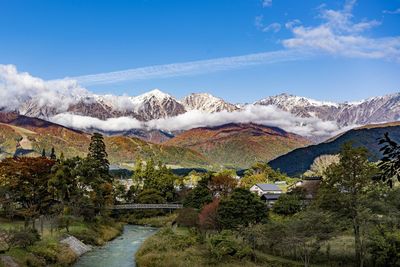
(208,216)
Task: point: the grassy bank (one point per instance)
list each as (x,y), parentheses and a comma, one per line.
(158,221)
(182,247)
(49,252)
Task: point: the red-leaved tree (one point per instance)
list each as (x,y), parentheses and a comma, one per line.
(208,216)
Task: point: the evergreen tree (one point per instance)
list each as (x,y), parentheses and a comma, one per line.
(43,153)
(97,152)
(241,208)
(53,154)
(390,163)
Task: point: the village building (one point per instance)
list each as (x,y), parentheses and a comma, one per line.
(270,193)
(309,185)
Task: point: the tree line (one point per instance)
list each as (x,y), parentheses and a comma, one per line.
(357,199)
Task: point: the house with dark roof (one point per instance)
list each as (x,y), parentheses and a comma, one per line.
(310,186)
(261,189)
(268,192)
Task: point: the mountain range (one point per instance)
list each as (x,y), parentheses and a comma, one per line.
(216,134)
(230,145)
(156,105)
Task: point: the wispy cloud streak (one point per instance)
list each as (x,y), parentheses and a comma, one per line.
(190,68)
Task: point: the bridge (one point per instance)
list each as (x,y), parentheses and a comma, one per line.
(146,206)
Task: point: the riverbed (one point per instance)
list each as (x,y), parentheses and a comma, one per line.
(119,252)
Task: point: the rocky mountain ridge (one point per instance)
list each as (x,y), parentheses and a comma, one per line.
(157,105)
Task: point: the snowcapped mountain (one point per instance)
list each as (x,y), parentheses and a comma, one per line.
(372,110)
(207,102)
(158,105)
(154,104)
(151,105)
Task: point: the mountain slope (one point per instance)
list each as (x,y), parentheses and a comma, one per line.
(31,135)
(239,145)
(373,110)
(206,102)
(299,160)
(151,105)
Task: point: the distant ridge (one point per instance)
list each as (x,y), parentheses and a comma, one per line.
(299,160)
(239,144)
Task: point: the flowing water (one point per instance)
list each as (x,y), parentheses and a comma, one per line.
(117,253)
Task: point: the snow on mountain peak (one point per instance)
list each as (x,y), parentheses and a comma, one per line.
(206,102)
(290,101)
(156,93)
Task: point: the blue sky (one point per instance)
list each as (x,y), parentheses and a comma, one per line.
(328,50)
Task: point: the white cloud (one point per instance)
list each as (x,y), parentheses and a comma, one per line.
(16,87)
(191,68)
(87,123)
(290,24)
(259,23)
(266,3)
(338,34)
(392,12)
(266,115)
(274,27)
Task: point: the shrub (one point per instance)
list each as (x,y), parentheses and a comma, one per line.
(288,204)
(224,245)
(24,238)
(385,248)
(187,217)
(241,208)
(49,252)
(34,262)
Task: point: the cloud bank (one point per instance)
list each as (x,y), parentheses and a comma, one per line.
(266,115)
(17,87)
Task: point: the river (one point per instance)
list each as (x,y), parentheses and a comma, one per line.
(120,252)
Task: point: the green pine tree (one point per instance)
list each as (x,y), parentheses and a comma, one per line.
(97,152)
(53,154)
(43,153)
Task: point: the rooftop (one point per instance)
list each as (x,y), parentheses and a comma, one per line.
(269,187)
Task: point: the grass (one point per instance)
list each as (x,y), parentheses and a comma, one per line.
(181,248)
(159,221)
(49,252)
(6,224)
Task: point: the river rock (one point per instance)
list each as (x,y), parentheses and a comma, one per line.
(77,246)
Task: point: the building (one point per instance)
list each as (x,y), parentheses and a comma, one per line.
(262,189)
(309,185)
(270,193)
